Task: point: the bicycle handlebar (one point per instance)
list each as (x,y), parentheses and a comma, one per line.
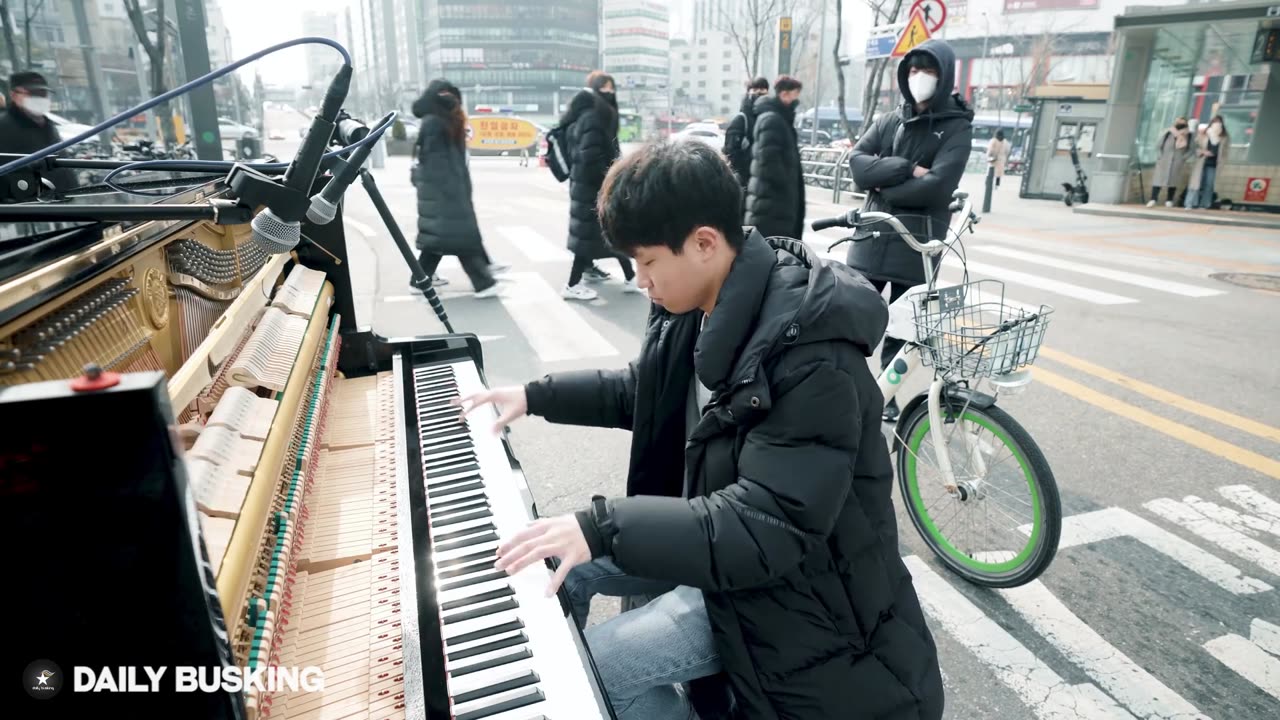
(856,218)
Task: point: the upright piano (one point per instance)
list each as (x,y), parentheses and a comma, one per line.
(207,463)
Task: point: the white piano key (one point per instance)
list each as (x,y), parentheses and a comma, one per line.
(462,710)
(458,629)
(481,642)
(491,546)
(472,590)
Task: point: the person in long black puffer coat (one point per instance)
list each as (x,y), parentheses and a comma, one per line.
(738,136)
(446,215)
(775,193)
(592,120)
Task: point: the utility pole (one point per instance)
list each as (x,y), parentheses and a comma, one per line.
(817,90)
(93,71)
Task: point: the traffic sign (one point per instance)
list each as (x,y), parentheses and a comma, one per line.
(882,39)
(915,33)
(934,13)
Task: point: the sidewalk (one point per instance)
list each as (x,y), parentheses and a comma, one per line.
(1232,218)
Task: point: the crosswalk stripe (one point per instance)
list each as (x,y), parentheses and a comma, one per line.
(1247,660)
(1134,687)
(1045,692)
(554,330)
(1122,276)
(1228,539)
(533,245)
(1097,297)
(1119,257)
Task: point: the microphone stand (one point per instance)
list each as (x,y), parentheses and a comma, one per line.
(420,279)
(222,212)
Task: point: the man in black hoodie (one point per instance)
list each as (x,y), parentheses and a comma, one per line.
(909,163)
(759,506)
(775,193)
(737,137)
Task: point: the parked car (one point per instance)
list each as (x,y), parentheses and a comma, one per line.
(708,133)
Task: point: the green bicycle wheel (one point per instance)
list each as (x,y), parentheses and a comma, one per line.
(995,529)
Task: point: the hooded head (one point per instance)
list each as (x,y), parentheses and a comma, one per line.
(442,99)
(933,65)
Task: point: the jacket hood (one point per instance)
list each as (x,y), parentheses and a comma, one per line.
(585,100)
(431,101)
(778,293)
(945,102)
(748,105)
(771,103)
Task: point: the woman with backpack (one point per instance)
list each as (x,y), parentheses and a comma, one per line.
(446,216)
(592,144)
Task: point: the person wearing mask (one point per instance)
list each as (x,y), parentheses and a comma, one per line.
(25,126)
(998,154)
(592,119)
(759,511)
(1171,155)
(775,193)
(737,138)
(447,222)
(909,163)
(1211,154)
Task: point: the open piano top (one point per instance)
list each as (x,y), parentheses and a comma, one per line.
(267,486)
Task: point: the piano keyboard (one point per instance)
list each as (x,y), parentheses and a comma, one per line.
(510,652)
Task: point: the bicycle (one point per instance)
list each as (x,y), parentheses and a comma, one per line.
(966,333)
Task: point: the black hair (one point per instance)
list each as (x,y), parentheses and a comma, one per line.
(923,60)
(785,83)
(1000,134)
(760,83)
(599,78)
(660,193)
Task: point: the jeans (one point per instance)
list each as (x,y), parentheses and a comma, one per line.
(643,655)
(1203,198)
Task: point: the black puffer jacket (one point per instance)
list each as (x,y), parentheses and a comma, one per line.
(737,140)
(886,156)
(446,216)
(592,120)
(775,193)
(20,133)
(788,526)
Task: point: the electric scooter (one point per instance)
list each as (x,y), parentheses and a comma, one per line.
(1080,191)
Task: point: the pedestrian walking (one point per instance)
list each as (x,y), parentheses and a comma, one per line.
(998,154)
(775,193)
(1212,147)
(25,126)
(739,134)
(1172,151)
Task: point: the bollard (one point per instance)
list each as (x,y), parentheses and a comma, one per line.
(991,180)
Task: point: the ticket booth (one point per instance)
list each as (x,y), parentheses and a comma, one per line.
(1061,115)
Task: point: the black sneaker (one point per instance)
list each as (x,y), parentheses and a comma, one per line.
(891,411)
(594,274)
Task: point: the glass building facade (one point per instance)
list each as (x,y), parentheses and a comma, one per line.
(530,56)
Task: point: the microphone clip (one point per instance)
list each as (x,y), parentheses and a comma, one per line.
(257,190)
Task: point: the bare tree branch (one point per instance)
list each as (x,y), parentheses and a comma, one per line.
(835,55)
(30,13)
(156,54)
(8,34)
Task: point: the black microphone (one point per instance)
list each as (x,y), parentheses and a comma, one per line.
(277,229)
(324,205)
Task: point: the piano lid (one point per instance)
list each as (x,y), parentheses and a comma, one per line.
(25,246)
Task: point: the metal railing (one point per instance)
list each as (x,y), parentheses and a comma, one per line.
(828,168)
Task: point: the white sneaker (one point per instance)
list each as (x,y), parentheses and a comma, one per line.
(578,292)
(491,291)
(631,287)
(1168,203)
(1151,203)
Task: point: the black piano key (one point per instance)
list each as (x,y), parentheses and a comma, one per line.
(469,467)
(482,633)
(466,582)
(481,597)
(452,457)
(428,379)
(508,604)
(527,677)
(470,477)
(457,429)
(467,542)
(445,537)
(513,641)
(442,448)
(443,423)
(452,507)
(454,490)
(534,695)
(467,569)
(517,656)
(464,559)
(476,515)
(444,409)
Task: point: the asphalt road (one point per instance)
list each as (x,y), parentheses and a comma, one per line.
(1155,401)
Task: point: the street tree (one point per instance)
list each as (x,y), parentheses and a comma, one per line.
(156,52)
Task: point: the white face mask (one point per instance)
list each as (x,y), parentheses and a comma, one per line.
(922,86)
(37,106)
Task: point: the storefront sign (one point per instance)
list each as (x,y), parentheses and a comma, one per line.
(1255,189)
(1033,5)
(500,133)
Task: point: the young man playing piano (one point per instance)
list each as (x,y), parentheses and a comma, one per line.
(758,515)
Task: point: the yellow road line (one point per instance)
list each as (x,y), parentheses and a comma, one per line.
(1209,412)
(1246,458)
